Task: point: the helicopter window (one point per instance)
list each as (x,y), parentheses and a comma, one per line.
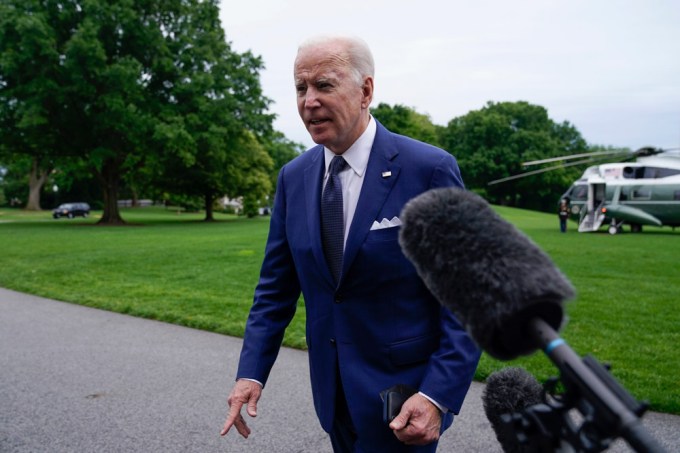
(649,172)
(660,172)
(642,194)
(629,172)
(652,172)
(579,193)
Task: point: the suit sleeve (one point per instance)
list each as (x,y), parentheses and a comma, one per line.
(452,367)
(275,300)
(447,174)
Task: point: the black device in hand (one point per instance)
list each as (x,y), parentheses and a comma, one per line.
(393,398)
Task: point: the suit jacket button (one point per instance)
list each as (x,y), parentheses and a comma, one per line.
(338,300)
(333,341)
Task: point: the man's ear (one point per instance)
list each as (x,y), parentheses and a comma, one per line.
(367,91)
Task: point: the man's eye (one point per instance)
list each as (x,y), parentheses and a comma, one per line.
(301,89)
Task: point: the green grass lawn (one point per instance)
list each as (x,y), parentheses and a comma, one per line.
(173,267)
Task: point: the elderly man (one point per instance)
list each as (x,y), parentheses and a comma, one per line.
(371,323)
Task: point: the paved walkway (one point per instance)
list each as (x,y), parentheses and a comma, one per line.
(76,379)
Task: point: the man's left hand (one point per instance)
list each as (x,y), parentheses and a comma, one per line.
(418,423)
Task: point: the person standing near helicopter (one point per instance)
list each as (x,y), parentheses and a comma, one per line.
(563,213)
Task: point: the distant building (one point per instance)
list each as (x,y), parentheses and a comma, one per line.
(235,204)
(139,203)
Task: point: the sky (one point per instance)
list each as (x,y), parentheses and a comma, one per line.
(611,68)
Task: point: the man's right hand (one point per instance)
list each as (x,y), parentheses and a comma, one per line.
(244,392)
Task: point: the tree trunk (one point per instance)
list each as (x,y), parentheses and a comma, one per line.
(36,180)
(109,178)
(209,208)
(135,198)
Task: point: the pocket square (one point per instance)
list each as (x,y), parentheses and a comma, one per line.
(384,223)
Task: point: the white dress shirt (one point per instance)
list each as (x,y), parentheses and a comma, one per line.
(357,159)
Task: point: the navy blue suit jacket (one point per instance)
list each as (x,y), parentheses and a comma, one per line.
(379,325)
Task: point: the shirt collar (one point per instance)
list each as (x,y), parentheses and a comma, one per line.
(357,154)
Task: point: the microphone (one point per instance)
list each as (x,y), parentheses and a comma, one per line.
(489,274)
(509,391)
(509,295)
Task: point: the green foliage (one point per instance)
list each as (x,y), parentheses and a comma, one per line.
(208,135)
(183,202)
(3,197)
(30,94)
(406,121)
(282,151)
(125,88)
(252,167)
(173,267)
(491,143)
(15,178)
(250,206)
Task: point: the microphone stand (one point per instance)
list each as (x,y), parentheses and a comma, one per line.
(605,409)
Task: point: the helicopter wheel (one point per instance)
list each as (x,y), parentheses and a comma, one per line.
(635,228)
(613,230)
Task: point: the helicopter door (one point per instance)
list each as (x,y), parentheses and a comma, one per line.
(598,194)
(593,217)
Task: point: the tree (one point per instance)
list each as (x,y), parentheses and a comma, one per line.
(123,82)
(3,197)
(74,87)
(30,91)
(491,143)
(406,121)
(239,168)
(282,151)
(250,175)
(215,117)
(14,179)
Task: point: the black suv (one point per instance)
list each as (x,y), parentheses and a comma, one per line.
(71,210)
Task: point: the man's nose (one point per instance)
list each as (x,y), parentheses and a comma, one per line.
(311,99)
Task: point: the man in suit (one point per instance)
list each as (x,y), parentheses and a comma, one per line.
(371,322)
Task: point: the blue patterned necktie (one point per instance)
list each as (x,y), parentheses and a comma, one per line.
(332,222)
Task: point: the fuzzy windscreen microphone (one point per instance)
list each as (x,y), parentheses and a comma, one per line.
(488,273)
(508,391)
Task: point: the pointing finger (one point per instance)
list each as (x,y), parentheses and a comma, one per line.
(234,414)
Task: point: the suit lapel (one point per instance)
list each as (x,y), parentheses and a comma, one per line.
(381,175)
(313,179)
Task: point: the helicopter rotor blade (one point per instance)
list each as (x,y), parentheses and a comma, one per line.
(642,152)
(541,170)
(594,157)
(574,156)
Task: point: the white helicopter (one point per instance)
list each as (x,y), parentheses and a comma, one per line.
(645,192)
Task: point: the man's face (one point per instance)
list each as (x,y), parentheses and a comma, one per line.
(333,107)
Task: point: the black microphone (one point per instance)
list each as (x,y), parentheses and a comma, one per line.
(509,295)
(479,266)
(509,391)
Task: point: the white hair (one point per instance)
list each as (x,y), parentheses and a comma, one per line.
(358,53)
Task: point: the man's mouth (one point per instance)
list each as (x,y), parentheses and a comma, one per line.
(317,122)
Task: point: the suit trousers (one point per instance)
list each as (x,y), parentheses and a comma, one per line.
(343,436)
